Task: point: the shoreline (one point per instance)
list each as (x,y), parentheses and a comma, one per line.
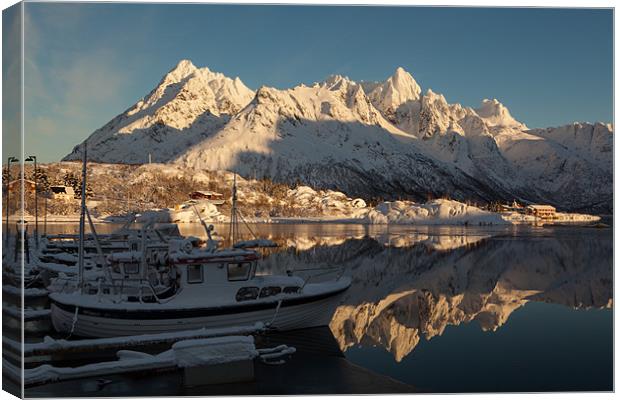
(582,220)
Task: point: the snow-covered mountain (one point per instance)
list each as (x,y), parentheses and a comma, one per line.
(188,104)
(368,139)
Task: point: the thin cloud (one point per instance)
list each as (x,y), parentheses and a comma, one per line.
(64,96)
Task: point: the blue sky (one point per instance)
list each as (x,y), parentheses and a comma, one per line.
(86,63)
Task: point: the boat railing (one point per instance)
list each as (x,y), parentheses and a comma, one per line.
(138,287)
(324,271)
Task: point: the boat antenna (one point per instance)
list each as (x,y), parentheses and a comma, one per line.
(82,217)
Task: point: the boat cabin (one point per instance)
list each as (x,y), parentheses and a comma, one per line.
(230,276)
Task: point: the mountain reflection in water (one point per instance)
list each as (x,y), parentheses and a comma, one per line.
(414,285)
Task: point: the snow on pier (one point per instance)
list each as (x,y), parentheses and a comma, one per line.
(29,314)
(52,346)
(28,292)
(185,354)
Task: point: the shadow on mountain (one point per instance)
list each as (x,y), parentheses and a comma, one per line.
(358,159)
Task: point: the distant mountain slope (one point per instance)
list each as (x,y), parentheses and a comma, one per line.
(370,139)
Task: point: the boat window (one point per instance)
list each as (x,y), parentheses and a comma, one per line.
(194,274)
(270,291)
(239,271)
(247,293)
(291,289)
(131,268)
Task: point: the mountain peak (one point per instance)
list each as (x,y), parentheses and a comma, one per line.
(394,91)
(185,63)
(496,114)
(183,69)
(335,82)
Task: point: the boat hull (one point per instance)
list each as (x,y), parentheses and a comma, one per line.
(105,323)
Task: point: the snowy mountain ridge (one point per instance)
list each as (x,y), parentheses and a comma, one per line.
(369,139)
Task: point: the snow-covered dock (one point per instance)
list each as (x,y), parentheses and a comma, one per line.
(60,347)
(196,357)
(317,366)
(28,292)
(29,314)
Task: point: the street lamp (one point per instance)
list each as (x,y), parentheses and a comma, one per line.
(36,201)
(8,188)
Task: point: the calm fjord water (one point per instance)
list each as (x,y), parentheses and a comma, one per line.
(456,309)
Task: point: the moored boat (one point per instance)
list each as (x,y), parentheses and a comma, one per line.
(213,289)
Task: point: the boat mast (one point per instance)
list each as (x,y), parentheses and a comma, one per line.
(233,214)
(82,217)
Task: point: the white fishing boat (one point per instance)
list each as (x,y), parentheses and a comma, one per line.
(213,289)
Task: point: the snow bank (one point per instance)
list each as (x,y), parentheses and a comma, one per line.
(328,203)
(435,212)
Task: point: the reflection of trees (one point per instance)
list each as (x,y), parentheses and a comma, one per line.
(400,294)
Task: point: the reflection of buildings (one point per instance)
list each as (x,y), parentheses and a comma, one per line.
(401,294)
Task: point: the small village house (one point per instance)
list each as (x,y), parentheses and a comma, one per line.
(207,196)
(541,211)
(15,186)
(61,192)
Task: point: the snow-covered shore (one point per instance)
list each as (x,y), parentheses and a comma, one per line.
(306,205)
(344,210)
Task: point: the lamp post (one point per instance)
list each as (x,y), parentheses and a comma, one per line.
(36,201)
(8,189)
